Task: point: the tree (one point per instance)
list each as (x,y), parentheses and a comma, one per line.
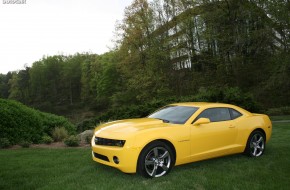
(87,72)
(4,86)
(72,78)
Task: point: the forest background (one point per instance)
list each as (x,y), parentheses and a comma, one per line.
(231,51)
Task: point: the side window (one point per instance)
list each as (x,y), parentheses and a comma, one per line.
(235,114)
(215,114)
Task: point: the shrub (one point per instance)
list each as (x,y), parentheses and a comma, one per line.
(59,133)
(47,139)
(231,95)
(50,121)
(133,111)
(19,123)
(25,144)
(85,125)
(72,141)
(279,111)
(4,143)
(285,110)
(237,97)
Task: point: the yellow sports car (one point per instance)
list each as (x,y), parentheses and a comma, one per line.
(178,134)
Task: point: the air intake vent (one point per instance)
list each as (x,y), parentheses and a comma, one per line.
(101,157)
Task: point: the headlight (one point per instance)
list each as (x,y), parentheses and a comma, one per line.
(109,142)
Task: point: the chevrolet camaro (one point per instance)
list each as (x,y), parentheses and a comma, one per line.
(178,134)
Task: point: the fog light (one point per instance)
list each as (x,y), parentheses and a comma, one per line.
(116,160)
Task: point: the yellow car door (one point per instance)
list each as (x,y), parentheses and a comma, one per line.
(214,138)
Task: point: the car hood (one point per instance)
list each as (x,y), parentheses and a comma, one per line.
(123,128)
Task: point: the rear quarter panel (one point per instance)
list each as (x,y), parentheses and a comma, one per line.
(247,124)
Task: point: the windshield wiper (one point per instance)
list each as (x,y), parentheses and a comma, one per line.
(164,120)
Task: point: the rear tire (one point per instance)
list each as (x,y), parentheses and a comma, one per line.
(256,144)
(155,160)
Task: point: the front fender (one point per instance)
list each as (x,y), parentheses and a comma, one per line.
(178,136)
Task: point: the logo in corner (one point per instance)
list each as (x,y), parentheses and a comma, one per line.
(14,1)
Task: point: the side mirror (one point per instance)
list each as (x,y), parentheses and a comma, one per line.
(202,121)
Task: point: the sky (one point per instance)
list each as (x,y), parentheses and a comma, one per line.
(51,27)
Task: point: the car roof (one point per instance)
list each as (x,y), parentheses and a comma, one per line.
(206,105)
(203,104)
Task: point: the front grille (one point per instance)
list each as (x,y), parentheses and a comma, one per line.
(101,157)
(109,142)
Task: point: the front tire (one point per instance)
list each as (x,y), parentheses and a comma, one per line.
(155,160)
(256,144)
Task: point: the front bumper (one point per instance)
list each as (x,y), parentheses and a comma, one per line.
(128,157)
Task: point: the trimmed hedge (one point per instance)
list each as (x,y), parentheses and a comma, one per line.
(19,123)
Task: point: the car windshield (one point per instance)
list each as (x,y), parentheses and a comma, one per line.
(174,114)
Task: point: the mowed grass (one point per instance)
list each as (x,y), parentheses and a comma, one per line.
(72,168)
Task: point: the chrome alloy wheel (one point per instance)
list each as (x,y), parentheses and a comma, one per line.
(257,145)
(157,162)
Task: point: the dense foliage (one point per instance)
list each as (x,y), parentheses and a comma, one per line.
(228,95)
(19,123)
(232,51)
(4,143)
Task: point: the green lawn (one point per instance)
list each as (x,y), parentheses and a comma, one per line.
(72,168)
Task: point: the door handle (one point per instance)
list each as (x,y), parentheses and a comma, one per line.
(232,126)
